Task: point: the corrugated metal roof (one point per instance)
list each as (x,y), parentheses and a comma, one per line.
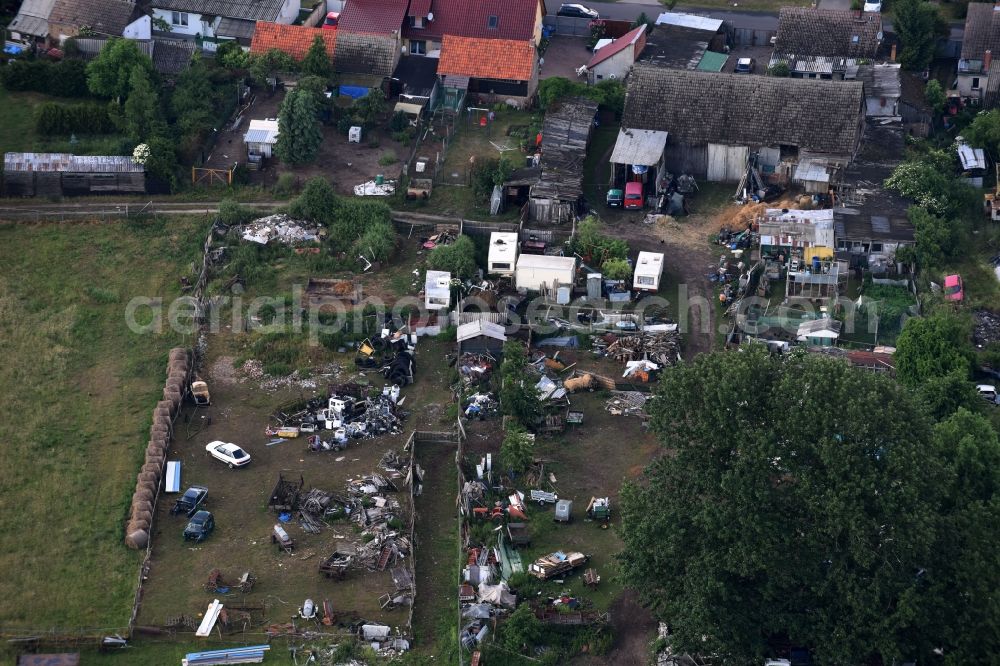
(235,27)
(65,162)
(972,158)
(689,21)
(644,147)
(474,329)
(712,62)
(261,131)
(251,10)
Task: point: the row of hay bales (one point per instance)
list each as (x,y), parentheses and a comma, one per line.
(179,369)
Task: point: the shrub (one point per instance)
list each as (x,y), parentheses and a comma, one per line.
(616,269)
(387,159)
(67,78)
(285,186)
(459,258)
(398,122)
(232,213)
(779,69)
(53,118)
(344,125)
(378,241)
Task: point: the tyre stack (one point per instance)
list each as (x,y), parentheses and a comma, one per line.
(179,369)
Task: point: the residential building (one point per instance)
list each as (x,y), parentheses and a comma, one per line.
(31,24)
(566,130)
(210,22)
(715,120)
(538,272)
(170,56)
(495,70)
(294,40)
(833,33)
(58,174)
(428,21)
(685,41)
(368,39)
(978,79)
(415,80)
(614,60)
(104,18)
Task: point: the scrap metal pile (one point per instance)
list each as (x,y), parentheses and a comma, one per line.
(627,403)
(349,413)
(476,368)
(661,347)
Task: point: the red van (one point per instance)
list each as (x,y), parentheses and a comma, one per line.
(633,196)
(332,19)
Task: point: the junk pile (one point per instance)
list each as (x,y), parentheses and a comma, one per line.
(348,413)
(283,229)
(375,188)
(393,354)
(987,328)
(627,403)
(660,347)
(180,365)
(480,405)
(380,637)
(318,504)
(443,238)
(555,564)
(476,368)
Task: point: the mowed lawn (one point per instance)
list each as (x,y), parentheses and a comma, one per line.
(76,393)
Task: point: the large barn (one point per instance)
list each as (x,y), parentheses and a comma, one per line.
(57,174)
(715,120)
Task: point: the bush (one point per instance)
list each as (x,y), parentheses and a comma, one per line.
(779,69)
(232,213)
(285,186)
(53,118)
(616,269)
(399,122)
(387,159)
(378,242)
(345,124)
(67,78)
(459,258)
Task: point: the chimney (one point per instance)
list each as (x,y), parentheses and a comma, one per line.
(987,60)
(892,54)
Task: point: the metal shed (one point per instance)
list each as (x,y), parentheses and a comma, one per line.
(538,271)
(56,174)
(481,336)
(260,138)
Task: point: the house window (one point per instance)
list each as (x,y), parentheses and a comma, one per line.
(842,244)
(417,21)
(855,39)
(492,22)
(876,247)
(645,280)
(975,83)
(178,18)
(418,47)
(501,267)
(599,77)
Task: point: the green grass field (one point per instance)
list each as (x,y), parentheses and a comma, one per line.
(77,393)
(17,131)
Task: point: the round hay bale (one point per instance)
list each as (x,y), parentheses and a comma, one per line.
(142,507)
(149,488)
(149,477)
(178,353)
(157,447)
(161,429)
(143,494)
(140,524)
(137,539)
(162,413)
(178,377)
(173,395)
(151,468)
(167,405)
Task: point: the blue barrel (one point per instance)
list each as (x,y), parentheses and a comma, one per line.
(815,264)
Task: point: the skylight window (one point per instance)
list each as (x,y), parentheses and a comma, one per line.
(492,22)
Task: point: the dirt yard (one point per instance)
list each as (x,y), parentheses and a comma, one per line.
(563,56)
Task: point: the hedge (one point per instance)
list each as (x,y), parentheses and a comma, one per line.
(54,118)
(67,78)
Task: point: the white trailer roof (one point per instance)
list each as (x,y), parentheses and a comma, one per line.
(546,261)
(683,20)
(649,263)
(503,246)
(474,329)
(438,284)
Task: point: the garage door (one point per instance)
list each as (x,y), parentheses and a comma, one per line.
(726,163)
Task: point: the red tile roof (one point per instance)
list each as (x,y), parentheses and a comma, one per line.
(294,40)
(470,18)
(487,58)
(419,8)
(373,17)
(617,46)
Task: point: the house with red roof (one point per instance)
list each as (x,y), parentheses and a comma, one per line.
(294,40)
(614,60)
(369,38)
(495,69)
(427,21)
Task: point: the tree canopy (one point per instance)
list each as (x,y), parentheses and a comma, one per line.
(299,134)
(919,25)
(458,258)
(141,115)
(984,131)
(110,73)
(317,61)
(813,508)
(193,99)
(931,347)
(518,397)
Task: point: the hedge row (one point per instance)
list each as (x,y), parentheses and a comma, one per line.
(58,119)
(67,78)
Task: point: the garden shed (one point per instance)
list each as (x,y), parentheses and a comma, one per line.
(481,336)
(57,174)
(260,138)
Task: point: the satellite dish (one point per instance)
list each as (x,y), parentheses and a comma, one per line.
(430,16)
(614,76)
(879,35)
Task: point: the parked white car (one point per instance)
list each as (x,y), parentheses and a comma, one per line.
(988,392)
(228,453)
(873,6)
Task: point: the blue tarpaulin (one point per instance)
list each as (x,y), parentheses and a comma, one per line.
(354,92)
(13,49)
(567,341)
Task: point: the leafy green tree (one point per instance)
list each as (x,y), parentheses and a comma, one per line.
(458,258)
(805,510)
(267,65)
(110,73)
(937,238)
(930,347)
(929,180)
(517,451)
(984,131)
(934,96)
(141,115)
(943,395)
(317,61)
(779,69)
(162,161)
(521,631)
(193,99)
(378,241)
(919,25)
(518,397)
(317,203)
(963,577)
(616,269)
(371,106)
(299,134)
(593,245)
(232,56)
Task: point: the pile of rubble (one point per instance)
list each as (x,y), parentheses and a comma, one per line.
(480,405)
(349,413)
(662,347)
(476,368)
(987,328)
(282,228)
(627,403)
